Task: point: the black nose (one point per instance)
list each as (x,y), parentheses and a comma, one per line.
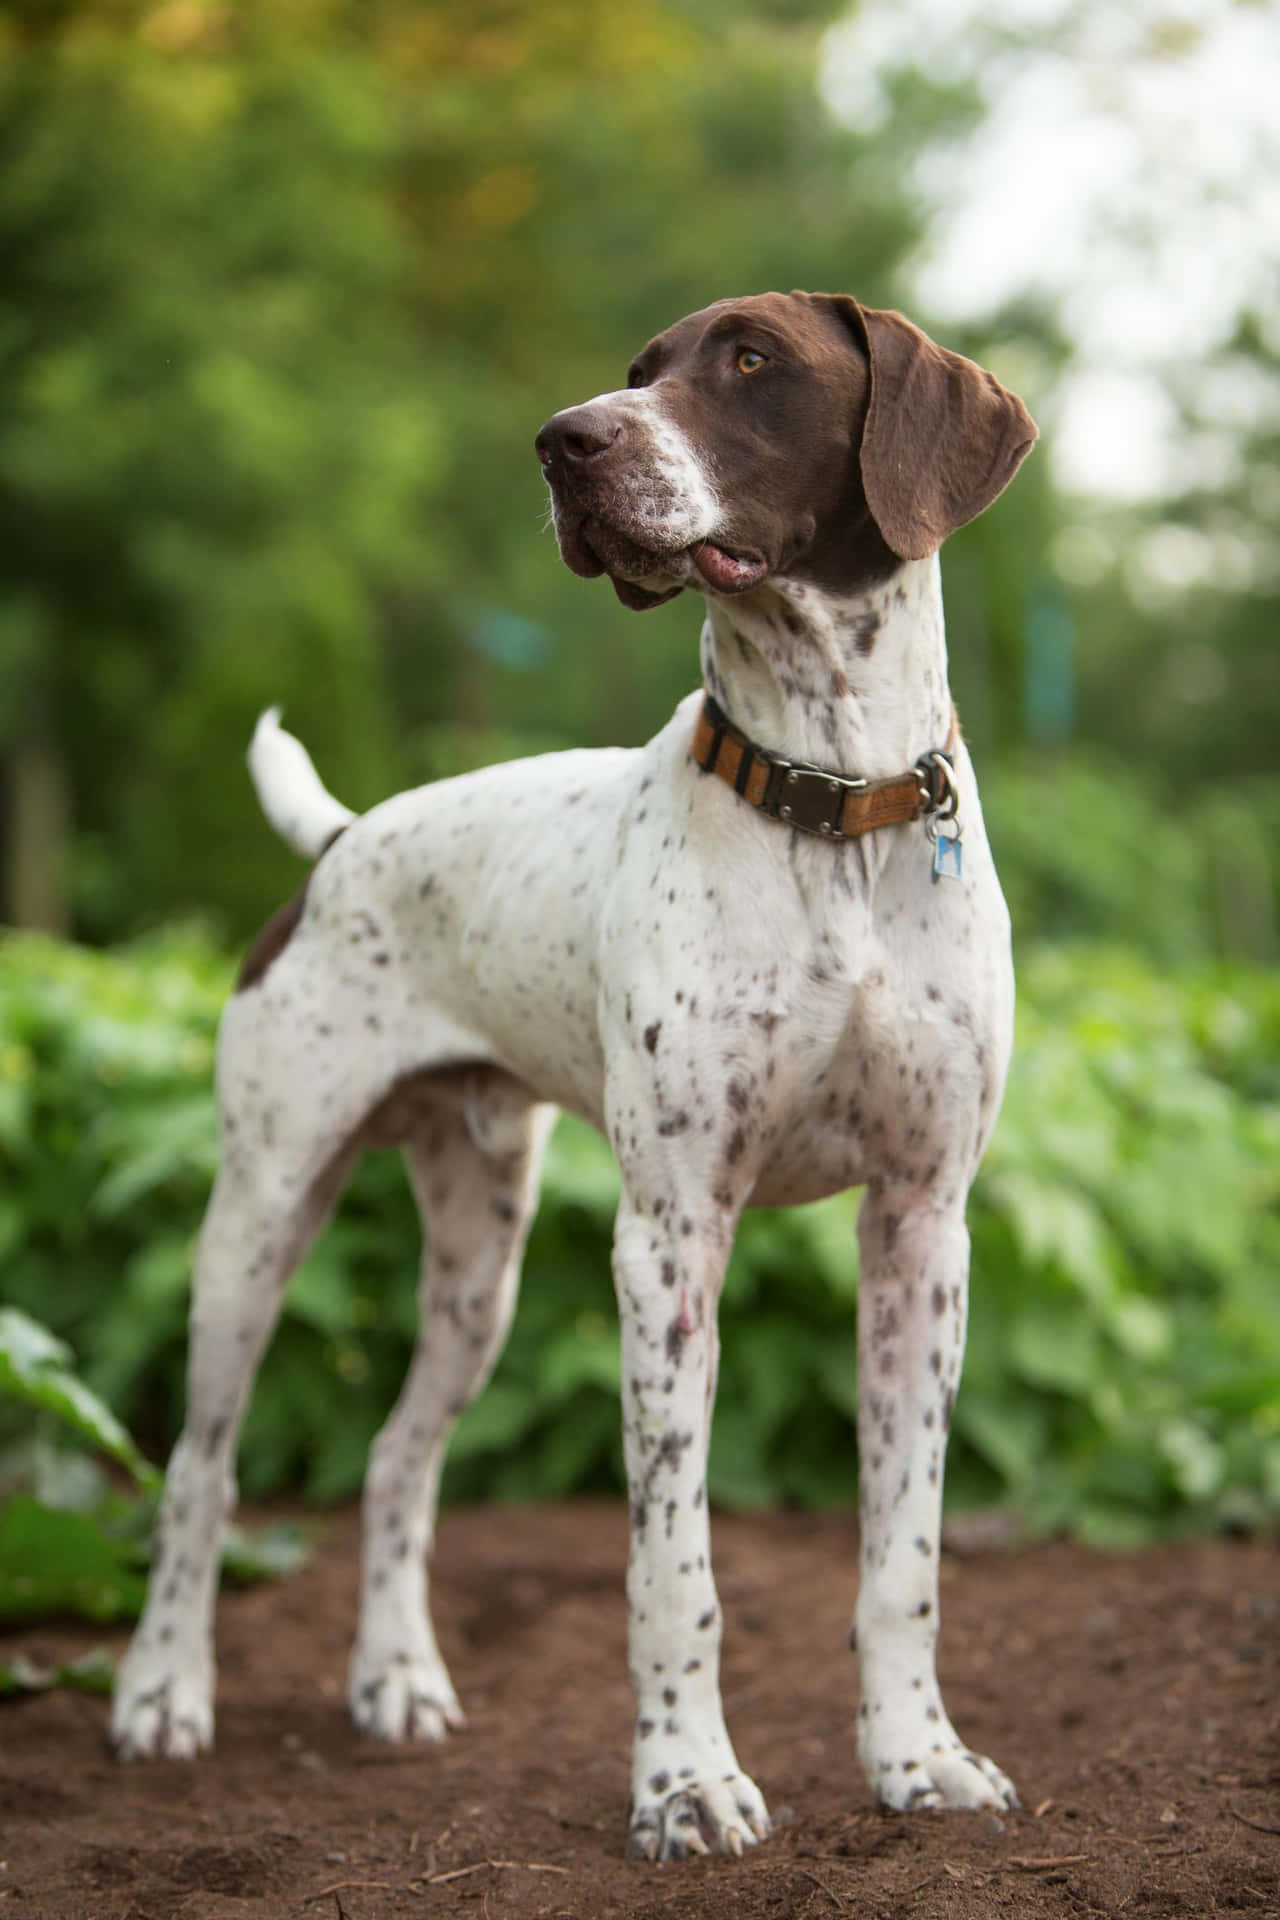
(577,435)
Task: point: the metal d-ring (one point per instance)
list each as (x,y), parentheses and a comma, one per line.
(947,805)
(942,821)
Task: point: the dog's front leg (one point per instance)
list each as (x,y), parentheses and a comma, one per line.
(688,1794)
(912,1307)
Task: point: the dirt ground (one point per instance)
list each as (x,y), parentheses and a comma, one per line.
(1135,1700)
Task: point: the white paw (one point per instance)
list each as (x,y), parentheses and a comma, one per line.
(403,1698)
(701,1814)
(920,1765)
(945,1778)
(160,1714)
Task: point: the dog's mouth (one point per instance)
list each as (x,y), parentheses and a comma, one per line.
(644,577)
(639,599)
(729,569)
(640,577)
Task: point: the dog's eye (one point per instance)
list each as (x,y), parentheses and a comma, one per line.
(749,361)
(635,376)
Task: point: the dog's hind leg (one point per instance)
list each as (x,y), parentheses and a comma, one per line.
(293,1101)
(259,1223)
(474,1156)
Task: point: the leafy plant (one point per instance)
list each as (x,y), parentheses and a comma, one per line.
(71,1544)
(93,1672)
(54,1558)
(36,1368)
(1092,847)
(1124,1366)
(1123,1375)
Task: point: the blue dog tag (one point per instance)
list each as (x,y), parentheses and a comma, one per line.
(947,857)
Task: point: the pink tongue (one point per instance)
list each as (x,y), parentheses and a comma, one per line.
(727,572)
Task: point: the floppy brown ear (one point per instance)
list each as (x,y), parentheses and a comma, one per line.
(942,437)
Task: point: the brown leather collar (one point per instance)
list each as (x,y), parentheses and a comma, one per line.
(817,801)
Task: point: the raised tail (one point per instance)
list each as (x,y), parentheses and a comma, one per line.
(290,791)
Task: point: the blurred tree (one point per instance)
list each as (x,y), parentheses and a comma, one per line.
(210,453)
(1188,589)
(1175,603)
(287,292)
(1105,220)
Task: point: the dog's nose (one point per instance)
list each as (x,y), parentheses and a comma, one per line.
(577,435)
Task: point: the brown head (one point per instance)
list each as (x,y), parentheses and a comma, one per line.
(798,434)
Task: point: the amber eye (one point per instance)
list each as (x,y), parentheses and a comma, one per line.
(749,361)
(635,377)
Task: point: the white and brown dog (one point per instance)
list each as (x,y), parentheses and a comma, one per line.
(749,952)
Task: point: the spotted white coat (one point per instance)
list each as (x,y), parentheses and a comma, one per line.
(752,1015)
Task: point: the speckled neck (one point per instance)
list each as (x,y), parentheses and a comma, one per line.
(857,684)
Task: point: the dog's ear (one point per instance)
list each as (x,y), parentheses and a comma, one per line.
(942,438)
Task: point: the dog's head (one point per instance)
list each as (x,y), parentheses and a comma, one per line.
(798,434)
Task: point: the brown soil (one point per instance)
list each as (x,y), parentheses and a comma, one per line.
(1135,1700)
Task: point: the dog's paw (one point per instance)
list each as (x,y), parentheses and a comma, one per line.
(162,1716)
(937,1771)
(705,1814)
(404,1698)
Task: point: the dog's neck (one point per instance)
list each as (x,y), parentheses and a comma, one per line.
(856,684)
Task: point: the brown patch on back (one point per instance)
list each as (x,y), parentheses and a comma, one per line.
(271,940)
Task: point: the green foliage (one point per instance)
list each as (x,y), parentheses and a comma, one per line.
(1178,599)
(1124,1363)
(105,1070)
(93,1672)
(35,1369)
(1088,845)
(54,1558)
(55,1561)
(288,290)
(68,1542)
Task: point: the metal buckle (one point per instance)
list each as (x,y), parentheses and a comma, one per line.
(808,798)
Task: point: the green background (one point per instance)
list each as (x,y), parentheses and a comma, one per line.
(285,292)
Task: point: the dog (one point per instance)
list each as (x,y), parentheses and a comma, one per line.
(766,954)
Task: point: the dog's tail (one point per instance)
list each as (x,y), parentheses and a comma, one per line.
(290,791)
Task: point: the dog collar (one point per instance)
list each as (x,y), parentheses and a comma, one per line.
(836,805)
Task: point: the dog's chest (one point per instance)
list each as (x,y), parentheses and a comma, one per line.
(886,1039)
(810,1016)
(894,1097)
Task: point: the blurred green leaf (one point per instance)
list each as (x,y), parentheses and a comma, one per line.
(56,1562)
(268,1553)
(34,1367)
(1052,1344)
(93,1672)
